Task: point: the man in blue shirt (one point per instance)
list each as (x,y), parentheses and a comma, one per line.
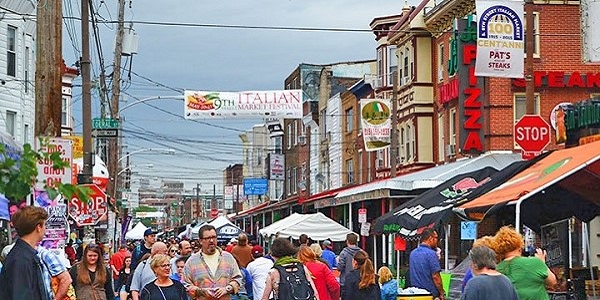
(424,265)
(329,255)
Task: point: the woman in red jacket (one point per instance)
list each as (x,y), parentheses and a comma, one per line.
(327,286)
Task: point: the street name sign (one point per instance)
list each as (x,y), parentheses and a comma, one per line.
(112,133)
(103,123)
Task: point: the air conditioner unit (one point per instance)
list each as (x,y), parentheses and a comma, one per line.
(379,163)
(404,81)
(451,150)
(302,139)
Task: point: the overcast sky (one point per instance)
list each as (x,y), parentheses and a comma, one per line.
(172,58)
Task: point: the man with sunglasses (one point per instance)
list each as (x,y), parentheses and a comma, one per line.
(200,269)
(185,250)
(424,265)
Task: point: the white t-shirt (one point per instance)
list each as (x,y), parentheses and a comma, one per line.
(259,270)
(212,261)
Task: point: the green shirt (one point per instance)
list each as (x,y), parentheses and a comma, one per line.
(527,275)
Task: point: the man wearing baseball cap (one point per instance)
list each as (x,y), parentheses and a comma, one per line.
(140,250)
(329,255)
(259,270)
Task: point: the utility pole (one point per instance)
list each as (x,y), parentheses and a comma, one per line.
(394,137)
(86,99)
(48,74)
(113,144)
(529,45)
(198,201)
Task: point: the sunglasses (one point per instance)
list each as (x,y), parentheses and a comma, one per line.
(174,251)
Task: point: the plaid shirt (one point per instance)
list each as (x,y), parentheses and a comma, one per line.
(196,272)
(52,267)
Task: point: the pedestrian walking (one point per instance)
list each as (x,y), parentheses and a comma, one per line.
(329,255)
(117,259)
(529,275)
(259,270)
(242,251)
(56,277)
(212,273)
(124,276)
(327,286)
(361,282)
(143,248)
(91,277)
(163,287)
(488,284)
(144,274)
(289,278)
(70,252)
(389,285)
(185,250)
(173,252)
(424,265)
(346,256)
(487,241)
(21,276)
(316,248)
(179,265)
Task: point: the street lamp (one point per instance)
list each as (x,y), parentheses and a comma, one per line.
(135,166)
(163,150)
(138,101)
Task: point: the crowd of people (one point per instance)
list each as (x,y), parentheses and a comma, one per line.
(241,270)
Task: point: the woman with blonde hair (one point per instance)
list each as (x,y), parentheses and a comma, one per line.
(529,275)
(361,283)
(389,285)
(487,241)
(318,251)
(163,287)
(91,277)
(327,286)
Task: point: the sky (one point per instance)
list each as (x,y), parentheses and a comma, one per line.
(171,59)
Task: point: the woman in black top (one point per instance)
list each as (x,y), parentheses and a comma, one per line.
(163,288)
(361,283)
(91,277)
(123,279)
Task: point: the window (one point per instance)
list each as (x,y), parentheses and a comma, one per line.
(521,105)
(401,145)
(406,64)
(441,62)
(289,136)
(407,146)
(289,182)
(26,70)
(400,71)
(295,132)
(380,68)
(536,35)
(64,116)
(360,166)
(259,157)
(452,125)
(11,118)
(303,175)
(278,148)
(11,53)
(349,117)
(349,171)
(295,180)
(392,60)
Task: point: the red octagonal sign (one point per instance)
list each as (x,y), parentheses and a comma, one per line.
(532,133)
(89,213)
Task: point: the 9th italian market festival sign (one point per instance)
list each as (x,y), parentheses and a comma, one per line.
(376,123)
(500,39)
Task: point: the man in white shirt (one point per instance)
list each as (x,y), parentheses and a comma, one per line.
(259,270)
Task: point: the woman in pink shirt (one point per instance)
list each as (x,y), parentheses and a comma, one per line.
(327,286)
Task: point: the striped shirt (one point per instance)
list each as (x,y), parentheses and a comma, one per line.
(198,273)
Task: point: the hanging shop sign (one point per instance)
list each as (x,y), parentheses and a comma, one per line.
(578,121)
(470,89)
(250,104)
(500,39)
(376,123)
(276,167)
(448,91)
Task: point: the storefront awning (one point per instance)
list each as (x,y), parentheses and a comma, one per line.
(563,184)
(249,211)
(425,179)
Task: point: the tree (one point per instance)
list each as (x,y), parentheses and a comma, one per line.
(18,174)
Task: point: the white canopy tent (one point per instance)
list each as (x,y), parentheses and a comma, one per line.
(137,232)
(220,221)
(317,226)
(193,233)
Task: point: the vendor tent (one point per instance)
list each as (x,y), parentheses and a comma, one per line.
(435,206)
(137,232)
(193,232)
(317,226)
(225,228)
(558,186)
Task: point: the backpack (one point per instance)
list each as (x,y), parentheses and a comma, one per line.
(293,283)
(247,281)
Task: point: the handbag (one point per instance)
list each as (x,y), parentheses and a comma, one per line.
(70,291)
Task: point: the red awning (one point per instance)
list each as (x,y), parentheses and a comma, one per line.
(322,195)
(252,209)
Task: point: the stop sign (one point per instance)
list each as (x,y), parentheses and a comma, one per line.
(532,133)
(88,213)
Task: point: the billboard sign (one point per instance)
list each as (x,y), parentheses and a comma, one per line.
(248,104)
(255,186)
(376,123)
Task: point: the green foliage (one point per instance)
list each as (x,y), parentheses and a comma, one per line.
(18,176)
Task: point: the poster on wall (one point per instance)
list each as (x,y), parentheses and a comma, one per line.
(249,104)
(376,123)
(500,39)
(56,225)
(555,240)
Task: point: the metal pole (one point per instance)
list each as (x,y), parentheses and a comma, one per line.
(529,41)
(394,137)
(197,201)
(86,100)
